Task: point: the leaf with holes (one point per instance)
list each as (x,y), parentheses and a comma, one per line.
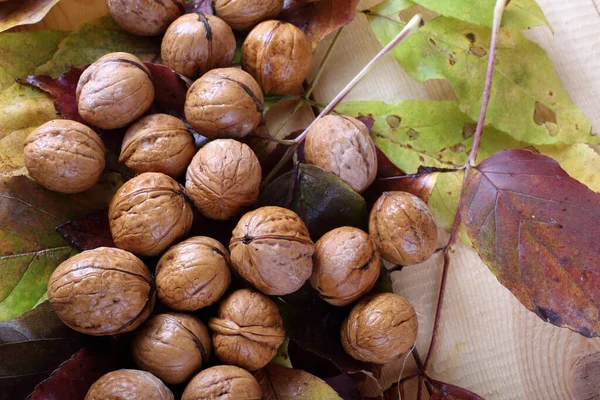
(23,12)
(285,383)
(537,229)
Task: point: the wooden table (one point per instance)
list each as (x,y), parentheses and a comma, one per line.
(487,342)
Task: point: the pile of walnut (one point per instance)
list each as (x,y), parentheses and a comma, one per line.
(109,291)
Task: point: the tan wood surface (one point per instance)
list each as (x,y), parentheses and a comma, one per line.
(488,342)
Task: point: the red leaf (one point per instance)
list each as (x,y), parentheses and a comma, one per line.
(169,90)
(446,391)
(89,232)
(538,230)
(199,6)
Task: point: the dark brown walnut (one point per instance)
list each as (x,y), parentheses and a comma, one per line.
(171,346)
(114,91)
(403,228)
(64,156)
(224,102)
(380,328)
(149,213)
(225,382)
(223,178)
(129,384)
(247,330)
(346,265)
(278,55)
(100,292)
(193,274)
(145,17)
(271,248)
(158,143)
(196,43)
(343,146)
(242,15)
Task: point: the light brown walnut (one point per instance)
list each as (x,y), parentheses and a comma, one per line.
(158,143)
(224,102)
(242,15)
(271,248)
(196,43)
(149,213)
(343,146)
(193,274)
(403,228)
(64,156)
(171,346)
(380,328)
(129,384)
(346,265)
(114,91)
(223,178)
(145,17)
(100,292)
(225,382)
(278,55)
(247,330)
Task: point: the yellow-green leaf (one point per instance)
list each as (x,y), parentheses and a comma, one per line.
(580,160)
(23,12)
(280,383)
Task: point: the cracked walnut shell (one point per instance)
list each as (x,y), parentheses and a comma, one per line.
(380,328)
(64,156)
(343,146)
(148,214)
(193,274)
(346,265)
(242,15)
(403,228)
(271,248)
(145,17)
(224,102)
(129,384)
(114,91)
(100,292)
(223,382)
(196,43)
(158,143)
(247,330)
(171,346)
(278,55)
(223,178)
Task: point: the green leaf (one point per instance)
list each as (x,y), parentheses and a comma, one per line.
(519,14)
(527,102)
(282,358)
(284,383)
(391,8)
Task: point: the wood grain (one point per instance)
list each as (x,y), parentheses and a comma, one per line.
(488,342)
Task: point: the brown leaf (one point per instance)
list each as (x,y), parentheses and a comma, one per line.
(538,230)
(199,6)
(446,391)
(89,232)
(279,383)
(23,12)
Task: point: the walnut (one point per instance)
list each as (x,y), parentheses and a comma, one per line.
(149,213)
(223,382)
(247,330)
(100,292)
(380,328)
(346,265)
(403,228)
(278,55)
(225,102)
(343,146)
(114,91)
(145,17)
(129,384)
(196,43)
(171,346)
(242,15)
(158,143)
(271,248)
(64,156)
(223,178)
(193,274)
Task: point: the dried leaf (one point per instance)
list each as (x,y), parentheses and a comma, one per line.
(537,230)
(89,232)
(446,391)
(283,383)
(23,12)
(198,6)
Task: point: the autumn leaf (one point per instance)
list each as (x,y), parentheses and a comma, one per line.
(279,383)
(446,391)
(201,6)
(579,160)
(537,229)
(525,86)
(88,232)
(23,12)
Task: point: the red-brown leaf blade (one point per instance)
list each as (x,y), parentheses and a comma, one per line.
(89,232)
(446,391)
(538,230)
